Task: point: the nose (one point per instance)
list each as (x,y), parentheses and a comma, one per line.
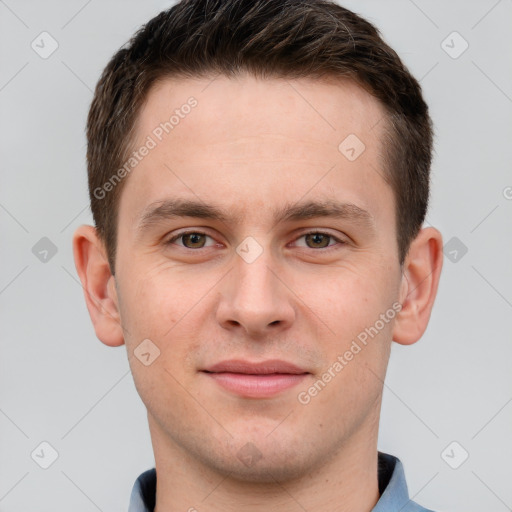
(255,299)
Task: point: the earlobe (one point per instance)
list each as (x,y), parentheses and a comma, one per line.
(420,279)
(98,284)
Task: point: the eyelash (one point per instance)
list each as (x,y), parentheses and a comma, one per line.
(314,232)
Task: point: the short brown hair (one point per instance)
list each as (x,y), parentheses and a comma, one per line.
(272,39)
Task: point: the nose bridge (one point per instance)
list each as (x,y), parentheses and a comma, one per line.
(255,281)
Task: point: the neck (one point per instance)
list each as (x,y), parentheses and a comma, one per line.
(347,482)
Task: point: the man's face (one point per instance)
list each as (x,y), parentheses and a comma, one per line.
(255,286)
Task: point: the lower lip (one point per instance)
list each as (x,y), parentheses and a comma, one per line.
(257,386)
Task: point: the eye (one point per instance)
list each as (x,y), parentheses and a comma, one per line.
(198,240)
(191,239)
(319,240)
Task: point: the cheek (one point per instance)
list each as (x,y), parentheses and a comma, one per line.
(351,298)
(157,299)
(357,344)
(357,347)
(162,307)
(166,305)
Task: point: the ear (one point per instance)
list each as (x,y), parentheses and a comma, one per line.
(98,284)
(420,279)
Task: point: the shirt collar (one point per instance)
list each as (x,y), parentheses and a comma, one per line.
(394,495)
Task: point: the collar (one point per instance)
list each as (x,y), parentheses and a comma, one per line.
(393,491)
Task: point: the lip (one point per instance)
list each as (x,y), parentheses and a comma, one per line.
(258,368)
(256,380)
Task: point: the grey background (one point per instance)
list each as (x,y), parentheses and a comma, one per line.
(59,384)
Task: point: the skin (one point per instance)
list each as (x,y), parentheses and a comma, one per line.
(250,147)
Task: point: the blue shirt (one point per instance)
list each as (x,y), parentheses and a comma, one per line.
(394,495)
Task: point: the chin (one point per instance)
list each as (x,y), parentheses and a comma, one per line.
(263,463)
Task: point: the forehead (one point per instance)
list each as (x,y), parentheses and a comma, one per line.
(252,141)
(324,110)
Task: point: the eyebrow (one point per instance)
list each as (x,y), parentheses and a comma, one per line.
(161,211)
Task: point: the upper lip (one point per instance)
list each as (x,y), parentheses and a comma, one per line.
(255,368)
